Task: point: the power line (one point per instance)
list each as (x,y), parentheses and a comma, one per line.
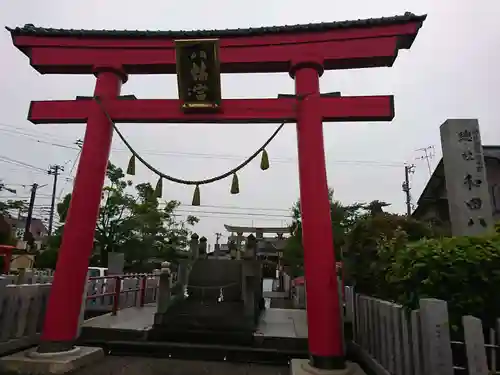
(22,164)
(389,164)
(194,212)
(35,138)
(6,187)
(35,172)
(27,197)
(33,130)
(70,173)
(12,184)
(236,207)
(235,217)
(8,160)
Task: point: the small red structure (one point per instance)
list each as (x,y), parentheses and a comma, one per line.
(6,253)
(298,281)
(304,51)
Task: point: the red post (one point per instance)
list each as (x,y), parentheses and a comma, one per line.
(6,252)
(323,308)
(116,297)
(63,309)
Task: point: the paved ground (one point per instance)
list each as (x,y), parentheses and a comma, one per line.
(274,322)
(152,366)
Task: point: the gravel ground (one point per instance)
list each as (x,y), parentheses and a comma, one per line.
(151,366)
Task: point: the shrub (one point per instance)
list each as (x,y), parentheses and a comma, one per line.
(464,271)
(363,265)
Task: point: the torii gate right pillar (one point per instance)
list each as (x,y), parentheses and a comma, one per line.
(324,319)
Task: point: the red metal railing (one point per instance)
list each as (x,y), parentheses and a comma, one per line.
(118,289)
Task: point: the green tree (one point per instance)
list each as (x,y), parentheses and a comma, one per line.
(115,221)
(343,218)
(155,231)
(139,225)
(375,207)
(362,262)
(12,205)
(6,208)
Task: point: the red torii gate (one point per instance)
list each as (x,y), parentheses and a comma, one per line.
(302,50)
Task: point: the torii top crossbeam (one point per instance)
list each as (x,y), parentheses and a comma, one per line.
(337,45)
(304,51)
(342,45)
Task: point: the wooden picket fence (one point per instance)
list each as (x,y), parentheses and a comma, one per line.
(393,341)
(23,300)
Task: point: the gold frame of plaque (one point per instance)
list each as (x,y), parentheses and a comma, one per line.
(198,74)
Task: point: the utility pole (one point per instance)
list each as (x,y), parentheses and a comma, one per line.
(406,187)
(53,170)
(30,211)
(428,156)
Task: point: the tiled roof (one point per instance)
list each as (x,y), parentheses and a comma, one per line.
(32,30)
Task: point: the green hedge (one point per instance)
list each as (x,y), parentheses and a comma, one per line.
(464,271)
(361,258)
(396,259)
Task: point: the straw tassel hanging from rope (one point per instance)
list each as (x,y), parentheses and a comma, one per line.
(264,160)
(131,166)
(159,188)
(196,196)
(235,185)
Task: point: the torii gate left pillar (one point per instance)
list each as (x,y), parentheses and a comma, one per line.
(65,299)
(304,54)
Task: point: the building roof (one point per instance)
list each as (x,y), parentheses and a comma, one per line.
(20,222)
(32,30)
(429,194)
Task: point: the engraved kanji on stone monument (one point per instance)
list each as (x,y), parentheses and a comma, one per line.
(467,190)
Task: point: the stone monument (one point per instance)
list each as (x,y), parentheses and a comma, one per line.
(116,263)
(468,195)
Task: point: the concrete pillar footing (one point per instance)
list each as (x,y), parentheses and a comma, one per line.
(33,363)
(302,367)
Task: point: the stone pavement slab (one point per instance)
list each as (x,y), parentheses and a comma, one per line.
(271,294)
(134,318)
(289,323)
(152,366)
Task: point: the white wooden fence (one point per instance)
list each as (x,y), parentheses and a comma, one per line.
(393,341)
(23,300)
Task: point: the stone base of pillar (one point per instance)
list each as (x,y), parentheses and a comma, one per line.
(302,367)
(32,362)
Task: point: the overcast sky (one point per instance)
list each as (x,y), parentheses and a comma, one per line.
(450,72)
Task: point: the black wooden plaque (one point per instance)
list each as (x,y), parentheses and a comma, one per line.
(198,73)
